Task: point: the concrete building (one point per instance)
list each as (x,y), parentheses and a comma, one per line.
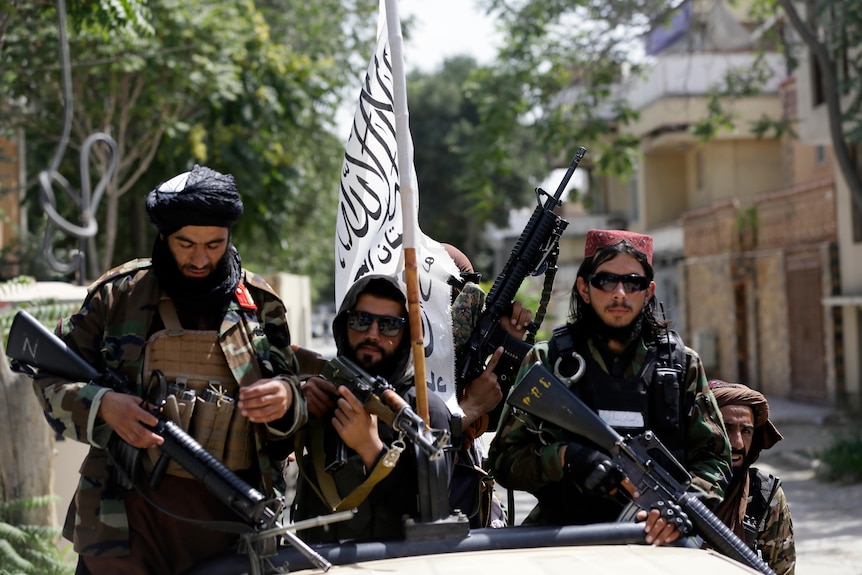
(750,232)
(842,303)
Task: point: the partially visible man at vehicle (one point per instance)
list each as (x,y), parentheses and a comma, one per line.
(755,506)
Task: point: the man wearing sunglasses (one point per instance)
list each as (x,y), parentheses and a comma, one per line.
(620,357)
(346,454)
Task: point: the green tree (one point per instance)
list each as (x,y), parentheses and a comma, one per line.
(458,199)
(832,31)
(557,72)
(245,87)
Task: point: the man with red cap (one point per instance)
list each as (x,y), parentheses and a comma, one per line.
(618,355)
(755,507)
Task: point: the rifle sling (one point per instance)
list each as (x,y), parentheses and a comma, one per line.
(547,288)
(325,487)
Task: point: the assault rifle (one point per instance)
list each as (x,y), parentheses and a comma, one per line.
(644,459)
(381,399)
(31,345)
(535,251)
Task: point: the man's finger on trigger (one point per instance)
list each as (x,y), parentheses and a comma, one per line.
(495,359)
(630,487)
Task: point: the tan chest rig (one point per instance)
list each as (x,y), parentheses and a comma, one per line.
(201,393)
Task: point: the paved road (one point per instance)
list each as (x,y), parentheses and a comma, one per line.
(827,517)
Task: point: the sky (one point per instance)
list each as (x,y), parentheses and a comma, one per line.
(442,29)
(446,28)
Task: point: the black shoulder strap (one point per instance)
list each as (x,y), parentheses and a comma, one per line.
(562,345)
(667,391)
(762,488)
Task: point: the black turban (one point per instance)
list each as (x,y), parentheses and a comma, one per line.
(201,197)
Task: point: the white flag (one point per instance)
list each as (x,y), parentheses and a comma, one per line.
(370,223)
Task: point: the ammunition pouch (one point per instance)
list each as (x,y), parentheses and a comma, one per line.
(200,397)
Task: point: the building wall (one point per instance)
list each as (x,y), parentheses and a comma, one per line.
(814,130)
(9,192)
(742,251)
(709,311)
(664,180)
(769,363)
(739,168)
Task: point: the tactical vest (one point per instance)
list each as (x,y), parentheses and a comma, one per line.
(653,399)
(201,392)
(761,490)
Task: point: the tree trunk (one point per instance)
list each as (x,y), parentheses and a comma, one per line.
(811,37)
(26,460)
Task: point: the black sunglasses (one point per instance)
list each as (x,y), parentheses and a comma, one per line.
(388,325)
(606,281)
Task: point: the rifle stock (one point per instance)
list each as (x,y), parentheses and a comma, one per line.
(534,250)
(32,344)
(651,467)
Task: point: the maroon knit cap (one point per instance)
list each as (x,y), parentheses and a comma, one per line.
(597,239)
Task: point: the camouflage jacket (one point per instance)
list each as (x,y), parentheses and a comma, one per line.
(525,453)
(466,310)
(110,331)
(775,540)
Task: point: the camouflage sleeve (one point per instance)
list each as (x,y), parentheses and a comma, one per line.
(283,364)
(466,310)
(707,448)
(775,542)
(521,458)
(70,407)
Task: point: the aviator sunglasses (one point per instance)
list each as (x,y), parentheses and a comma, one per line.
(388,325)
(606,281)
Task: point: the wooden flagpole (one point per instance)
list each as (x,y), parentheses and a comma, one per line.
(409,209)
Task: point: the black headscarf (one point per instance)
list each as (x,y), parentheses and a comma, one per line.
(201,197)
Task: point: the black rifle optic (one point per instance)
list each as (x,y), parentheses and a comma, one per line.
(644,459)
(31,345)
(536,249)
(381,399)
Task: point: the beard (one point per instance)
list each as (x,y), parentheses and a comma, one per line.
(622,334)
(197,295)
(383,367)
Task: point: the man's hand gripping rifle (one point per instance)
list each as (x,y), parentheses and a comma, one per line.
(652,469)
(534,253)
(31,345)
(381,399)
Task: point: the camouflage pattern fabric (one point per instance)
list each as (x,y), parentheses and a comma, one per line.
(466,309)
(525,454)
(110,331)
(775,542)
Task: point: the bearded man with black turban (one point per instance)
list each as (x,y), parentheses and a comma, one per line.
(190,330)
(755,507)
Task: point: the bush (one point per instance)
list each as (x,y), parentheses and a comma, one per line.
(843,458)
(32,549)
